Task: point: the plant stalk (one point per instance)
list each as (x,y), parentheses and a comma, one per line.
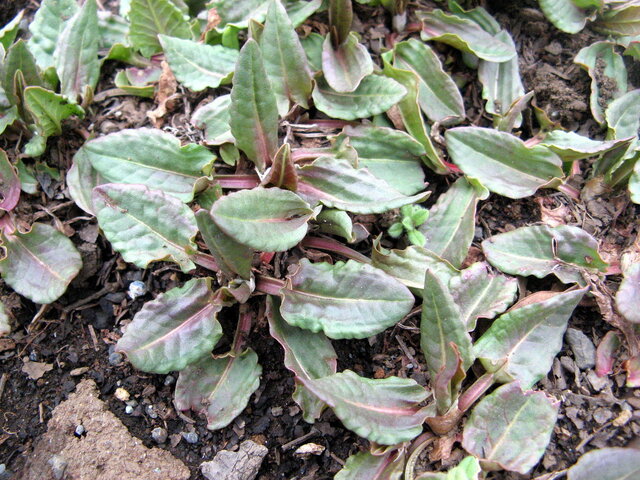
(322,243)
(243,328)
(269,285)
(238,182)
(206,261)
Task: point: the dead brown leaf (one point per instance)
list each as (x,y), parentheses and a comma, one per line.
(165,96)
(35,370)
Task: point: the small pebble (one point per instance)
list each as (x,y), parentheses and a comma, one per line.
(583,349)
(136,289)
(122,395)
(602,415)
(33,356)
(79,431)
(115,359)
(159,435)
(128,409)
(169,380)
(309,449)
(150,411)
(58,466)
(276,411)
(190,437)
(76,372)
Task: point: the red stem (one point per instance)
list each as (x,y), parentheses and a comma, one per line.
(569,191)
(331,245)
(475,391)
(206,261)
(269,285)
(242,330)
(238,181)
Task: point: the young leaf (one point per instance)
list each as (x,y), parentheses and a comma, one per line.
(374,95)
(219,387)
(10,30)
(510,429)
(451,225)
(391,155)
(340,20)
(214,119)
(47,25)
(627,299)
(345,300)
(613,463)
(174,330)
(540,250)
(465,35)
(385,411)
(285,60)
(49,109)
(150,18)
(334,182)
(9,184)
(76,53)
(366,466)
(522,343)
(565,14)
(39,264)
(149,157)
(18,59)
(265,219)
(345,66)
(282,173)
(336,222)
(621,21)
(145,225)
(308,355)
(239,12)
(439,96)
(622,116)
(253,111)
(570,146)
(467,469)
(502,162)
(480,294)
(198,66)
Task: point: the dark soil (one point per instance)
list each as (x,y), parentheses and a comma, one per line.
(76,334)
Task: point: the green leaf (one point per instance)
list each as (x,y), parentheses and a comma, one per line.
(467,469)
(345,300)
(254,111)
(174,330)
(608,75)
(336,222)
(265,219)
(620,21)
(219,387)
(410,265)
(540,250)
(622,116)
(334,182)
(385,411)
(480,294)
(340,20)
(145,225)
(522,343)
(374,95)
(7,117)
(49,109)
(18,59)
(510,429)
(564,14)
(239,12)
(312,45)
(47,25)
(198,66)
(308,355)
(285,60)
(571,147)
(613,463)
(465,35)
(415,237)
(150,18)
(345,66)
(627,299)
(451,226)
(366,466)
(9,184)
(214,118)
(390,155)
(76,55)
(149,157)
(39,264)
(502,162)
(282,173)
(232,257)
(439,96)
(81,179)
(10,30)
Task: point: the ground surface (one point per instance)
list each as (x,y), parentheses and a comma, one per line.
(75,335)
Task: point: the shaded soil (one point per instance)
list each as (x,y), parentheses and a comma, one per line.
(75,335)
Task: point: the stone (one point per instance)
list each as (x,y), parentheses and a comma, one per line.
(159,435)
(105,452)
(241,465)
(584,352)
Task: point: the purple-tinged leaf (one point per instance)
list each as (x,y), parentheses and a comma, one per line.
(219,387)
(345,67)
(465,35)
(254,110)
(345,300)
(18,59)
(39,264)
(540,250)
(334,182)
(9,184)
(175,329)
(570,146)
(81,180)
(451,225)
(614,463)
(366,466)
(480,294)
(214,119)
(632,367)
(501,161)
(308,355)
(628,296)
(282,173)
(340,20)
(265,219)
(385,411)
(145,225)
(605,353)
(150,18)
(232,257)
(510,429)
(522,343)
(624,20)
(285,60)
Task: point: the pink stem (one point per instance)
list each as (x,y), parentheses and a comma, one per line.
(569,191)
(243,328)
(269,285)
(475,391)
(206,261)
(331,245)
(238,181)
